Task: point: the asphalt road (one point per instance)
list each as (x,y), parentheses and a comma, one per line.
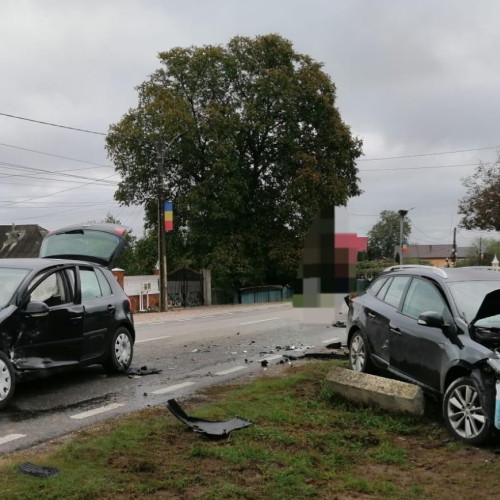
(193,349)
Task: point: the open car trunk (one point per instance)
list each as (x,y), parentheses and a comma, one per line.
(98,243)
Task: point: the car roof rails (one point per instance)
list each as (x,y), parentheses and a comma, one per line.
(434,269)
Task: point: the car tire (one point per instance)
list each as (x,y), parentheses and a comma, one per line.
(465,411)
(359,355)
(7,380)
(121,351)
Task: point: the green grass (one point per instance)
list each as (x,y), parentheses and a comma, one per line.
(306,443)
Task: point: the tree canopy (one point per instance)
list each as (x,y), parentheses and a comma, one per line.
(247,142)
(480,207)
(384,235)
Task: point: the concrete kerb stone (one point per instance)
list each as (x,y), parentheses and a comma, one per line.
(390,395)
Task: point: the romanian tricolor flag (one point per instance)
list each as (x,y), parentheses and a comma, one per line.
(405,246)
(169,216)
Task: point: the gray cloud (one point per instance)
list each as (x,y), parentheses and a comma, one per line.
(412,77)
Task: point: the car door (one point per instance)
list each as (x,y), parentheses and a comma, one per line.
(51,336)
(99,311)
(376,319)
(416,350)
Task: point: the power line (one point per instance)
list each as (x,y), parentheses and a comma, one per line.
(16,166)
(429,154)
(53,124)
(56,156)
(52,194)
(420,168)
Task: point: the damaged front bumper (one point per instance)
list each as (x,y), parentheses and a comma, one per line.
(494,363)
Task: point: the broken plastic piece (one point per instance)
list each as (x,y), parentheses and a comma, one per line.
(208,427)
(334,345)
(37,470)
(143,370)
(339,324)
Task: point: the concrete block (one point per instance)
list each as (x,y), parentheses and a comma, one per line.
(390,395)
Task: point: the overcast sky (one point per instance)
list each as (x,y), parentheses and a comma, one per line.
(413,78)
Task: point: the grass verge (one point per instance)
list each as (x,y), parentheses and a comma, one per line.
(306,443)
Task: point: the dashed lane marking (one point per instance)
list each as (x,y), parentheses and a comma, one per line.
(231,370)
(259,321)
(96,411)
(150,340)
(172,388)
(330,341)
(11,437)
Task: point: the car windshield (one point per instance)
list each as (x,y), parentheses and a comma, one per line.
(469,295)
(10,279)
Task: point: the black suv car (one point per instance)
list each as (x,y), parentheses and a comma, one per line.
(64,309)
(439,329)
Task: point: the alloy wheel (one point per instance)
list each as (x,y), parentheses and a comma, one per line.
(465,412)
(5,380)
(123,349)
(358,353)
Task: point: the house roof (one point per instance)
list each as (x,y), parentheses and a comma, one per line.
(434,251)
(21,241)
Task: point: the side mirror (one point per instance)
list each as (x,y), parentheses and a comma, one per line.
(432,319)
(36,309)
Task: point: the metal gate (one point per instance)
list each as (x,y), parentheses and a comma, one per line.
(185,288)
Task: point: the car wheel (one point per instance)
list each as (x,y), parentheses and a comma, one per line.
(464,411)
(121,351)
(7,380)
(359,357)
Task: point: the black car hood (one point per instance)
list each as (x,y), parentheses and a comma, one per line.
(489,307)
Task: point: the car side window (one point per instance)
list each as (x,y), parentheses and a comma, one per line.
(90,284)
(51,290)
(105,286)
(422,297)
(383,290)
(377,285)
(396,290)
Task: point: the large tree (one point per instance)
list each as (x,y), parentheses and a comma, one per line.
(385,234)
(480,207)
(247,142)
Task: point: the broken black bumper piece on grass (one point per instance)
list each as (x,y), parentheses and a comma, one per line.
(208,427)
(37,470)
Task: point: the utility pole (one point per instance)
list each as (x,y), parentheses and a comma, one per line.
(402,214)
(162,149)
(454,249)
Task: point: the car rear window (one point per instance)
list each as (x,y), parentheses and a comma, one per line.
(78,244)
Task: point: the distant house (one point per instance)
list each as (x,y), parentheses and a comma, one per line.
(21,241)
(435,254)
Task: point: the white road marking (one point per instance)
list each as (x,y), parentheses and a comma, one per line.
(330,341)
(172,388)
(150,340)
(96,411)
(11,437)
(260,321)
(231,370)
